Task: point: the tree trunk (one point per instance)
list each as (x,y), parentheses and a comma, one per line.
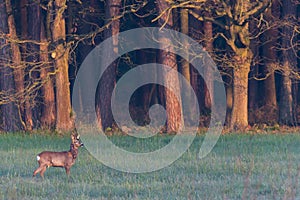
(253,89)
(24,36)
(108,80)
(208,95)
(271,61)
(253,97)
(185,65)
(289,63)
(229,97)
(286,110)
(242,58)
(148,96)
(18,67)
(239,115)
(48,106)
(173,104)
(34,29)
(64,120)
(184,17)
(239,41)
(270,89)
(9,118)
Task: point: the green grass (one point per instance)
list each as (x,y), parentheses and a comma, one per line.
(240,166)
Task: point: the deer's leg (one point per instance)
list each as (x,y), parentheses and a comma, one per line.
(37,170)
(43,171)
(68,170)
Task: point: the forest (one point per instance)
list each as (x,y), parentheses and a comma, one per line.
(254,44)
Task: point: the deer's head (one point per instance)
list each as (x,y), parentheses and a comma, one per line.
(75,137)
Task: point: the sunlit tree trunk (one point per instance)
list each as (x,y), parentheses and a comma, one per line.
(64,120)
(173,104)
(240,44)
(185,65)
(208,34)
(239,115)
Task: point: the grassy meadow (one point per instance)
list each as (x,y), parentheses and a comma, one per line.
(241,166)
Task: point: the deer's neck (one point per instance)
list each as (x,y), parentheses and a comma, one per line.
(74,151)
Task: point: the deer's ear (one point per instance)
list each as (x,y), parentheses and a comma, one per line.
(74,133)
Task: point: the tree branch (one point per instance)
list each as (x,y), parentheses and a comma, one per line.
(205,18)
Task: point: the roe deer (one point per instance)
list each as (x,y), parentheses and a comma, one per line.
(63,159)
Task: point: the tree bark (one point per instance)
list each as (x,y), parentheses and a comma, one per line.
(229,97)
(18,66)
(9,117)
(32,58)
(253,96)
(185,65)
(239,115)
(239,41)
(289,62)
(108,80)
(286,110)
(64,120)
(24,36)
(173,104)
(271,61)
(241,69)
(48,107)
(208,95)
(253,89)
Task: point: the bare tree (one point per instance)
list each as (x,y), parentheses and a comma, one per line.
(233,17)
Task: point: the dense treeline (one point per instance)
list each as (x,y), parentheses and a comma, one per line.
(255,44)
